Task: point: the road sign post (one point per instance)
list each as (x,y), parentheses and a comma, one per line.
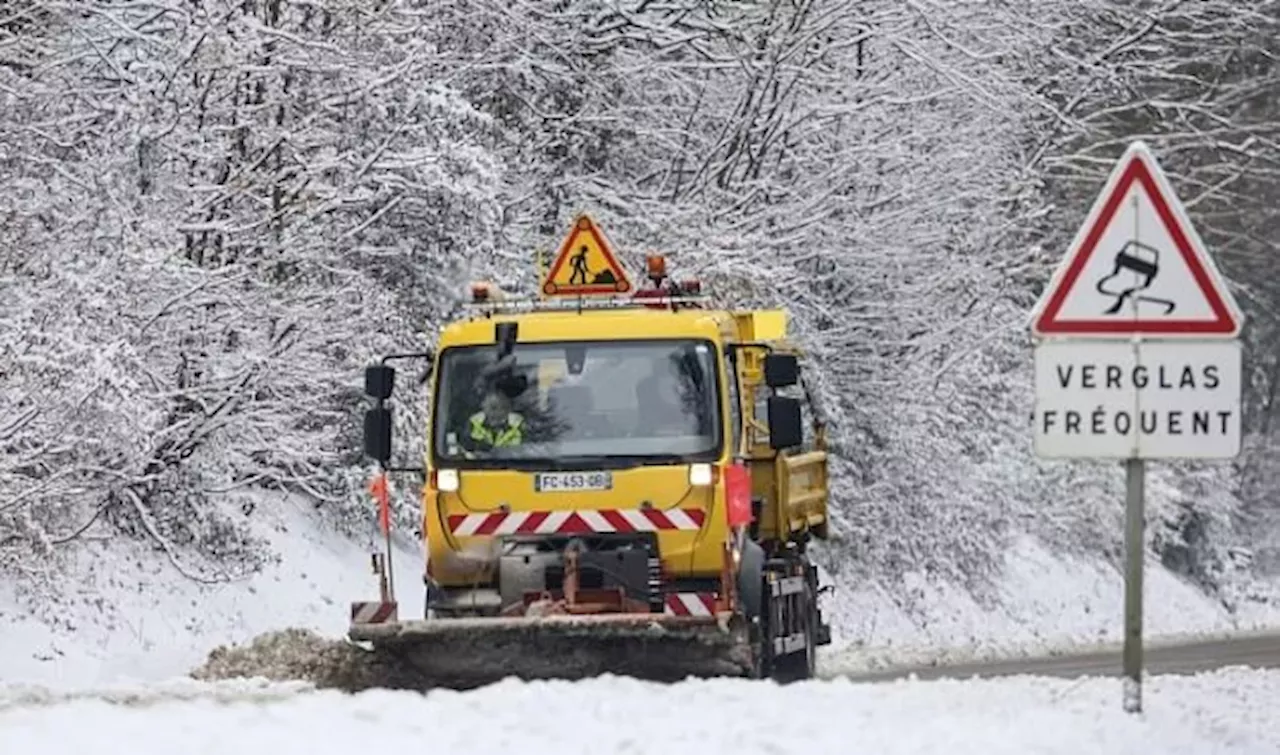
(1134,505)
(1136,356)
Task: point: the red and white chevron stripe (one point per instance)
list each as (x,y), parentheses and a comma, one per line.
(575,522)
(373,612)
(691,604)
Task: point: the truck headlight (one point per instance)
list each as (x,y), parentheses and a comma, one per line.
(701,475)
(447,480)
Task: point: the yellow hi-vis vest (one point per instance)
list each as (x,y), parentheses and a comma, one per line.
(510,435)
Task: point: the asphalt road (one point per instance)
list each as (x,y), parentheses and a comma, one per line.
(1258,651)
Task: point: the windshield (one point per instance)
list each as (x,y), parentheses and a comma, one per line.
(579,403)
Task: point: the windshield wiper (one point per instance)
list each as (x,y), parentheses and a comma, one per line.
(589,462)
(664,458)
(620,461)
(574,463)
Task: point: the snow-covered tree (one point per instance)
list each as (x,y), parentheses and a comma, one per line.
(219,212)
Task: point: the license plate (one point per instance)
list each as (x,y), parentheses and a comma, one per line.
(552,482)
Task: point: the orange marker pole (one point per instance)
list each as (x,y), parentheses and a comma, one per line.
(381,492)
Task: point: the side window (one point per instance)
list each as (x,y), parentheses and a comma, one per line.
(735,418)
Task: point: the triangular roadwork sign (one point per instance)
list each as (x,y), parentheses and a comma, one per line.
(585,265)
(1137,266)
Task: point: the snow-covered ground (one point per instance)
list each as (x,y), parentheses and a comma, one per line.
(1230,711)
(105,663)
(131,616)
(1048,603)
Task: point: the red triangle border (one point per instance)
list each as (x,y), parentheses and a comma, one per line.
(1048,323)
(561,256)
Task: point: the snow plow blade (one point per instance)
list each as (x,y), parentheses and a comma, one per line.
(473,651)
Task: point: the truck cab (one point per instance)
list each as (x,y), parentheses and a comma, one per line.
(617,422)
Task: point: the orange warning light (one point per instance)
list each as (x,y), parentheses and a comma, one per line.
(656,265)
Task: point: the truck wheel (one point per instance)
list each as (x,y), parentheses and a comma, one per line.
(802,665)
(751,580)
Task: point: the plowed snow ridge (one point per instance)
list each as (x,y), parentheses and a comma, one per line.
(1230,711)
(160,693)
(298,655)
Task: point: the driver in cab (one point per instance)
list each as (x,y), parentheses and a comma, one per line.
(495,425)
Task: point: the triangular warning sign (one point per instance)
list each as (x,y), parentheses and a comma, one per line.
(1137,265)
(585,265)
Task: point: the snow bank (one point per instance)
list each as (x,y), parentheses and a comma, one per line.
(1047,604)
(1229,711)
(127,615)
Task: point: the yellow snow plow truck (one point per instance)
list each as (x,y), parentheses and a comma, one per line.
(616,481)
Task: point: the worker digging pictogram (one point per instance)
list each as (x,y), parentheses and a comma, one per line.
(582,275)
(1142,260)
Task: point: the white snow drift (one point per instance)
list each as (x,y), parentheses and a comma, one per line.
(1230,711)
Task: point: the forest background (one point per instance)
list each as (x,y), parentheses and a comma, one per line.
(216,213)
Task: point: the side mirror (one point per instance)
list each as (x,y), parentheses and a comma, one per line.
(379,381)
(377,433)
(785,424)
(781,370)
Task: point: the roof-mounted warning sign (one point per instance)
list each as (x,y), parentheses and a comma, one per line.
(1137,265)
(585,265)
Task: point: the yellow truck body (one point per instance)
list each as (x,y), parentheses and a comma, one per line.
(663,486)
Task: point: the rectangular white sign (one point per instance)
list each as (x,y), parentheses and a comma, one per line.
(1146,400)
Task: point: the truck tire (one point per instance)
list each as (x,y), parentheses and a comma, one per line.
(802,665)
(751,580)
